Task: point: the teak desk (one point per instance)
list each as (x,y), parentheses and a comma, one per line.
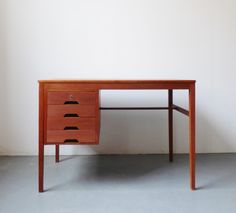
(69,113)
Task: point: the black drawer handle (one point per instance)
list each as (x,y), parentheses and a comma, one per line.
(71,115)
(71,128)
(71,102)
(71,141)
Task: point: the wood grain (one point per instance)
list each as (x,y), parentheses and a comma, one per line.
(192,136)
(54,93)
(59,136)
(81,110)
(83,98)
(55,123)
(41,138)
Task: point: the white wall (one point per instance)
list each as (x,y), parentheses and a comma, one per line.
(120,39)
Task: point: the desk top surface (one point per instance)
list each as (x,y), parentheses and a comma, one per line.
(118,81)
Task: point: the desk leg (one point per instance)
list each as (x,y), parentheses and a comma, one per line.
(41,139)
(41,165)
(192,135)
(170,123)
(57,153)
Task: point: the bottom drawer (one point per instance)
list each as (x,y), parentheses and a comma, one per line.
(70,136)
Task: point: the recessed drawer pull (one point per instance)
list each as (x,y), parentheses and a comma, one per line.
(71,115)
(71,128)
(71,102)
(71,141)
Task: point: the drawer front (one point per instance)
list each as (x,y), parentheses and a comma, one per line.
(54,123)
(71,117)
(61,111)
(73,97)
(71,136)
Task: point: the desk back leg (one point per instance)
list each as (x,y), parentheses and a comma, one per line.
(170,122)
(57,153)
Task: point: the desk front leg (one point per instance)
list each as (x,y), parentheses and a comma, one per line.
(41,166)
(192,135)
(41,139)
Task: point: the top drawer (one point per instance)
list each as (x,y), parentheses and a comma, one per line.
(73,97)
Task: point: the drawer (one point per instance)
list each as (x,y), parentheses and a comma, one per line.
(55,123)
(61,111)
(73,97)
(70,136)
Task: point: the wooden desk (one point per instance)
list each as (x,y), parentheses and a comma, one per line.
(69,113)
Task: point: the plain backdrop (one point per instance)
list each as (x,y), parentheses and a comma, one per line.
(120,39)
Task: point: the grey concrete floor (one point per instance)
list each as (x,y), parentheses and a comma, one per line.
(123,183)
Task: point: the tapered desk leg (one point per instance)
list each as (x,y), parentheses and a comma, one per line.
(57,153)
(192,135)
(41,165)
(170,123)
(41,140)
